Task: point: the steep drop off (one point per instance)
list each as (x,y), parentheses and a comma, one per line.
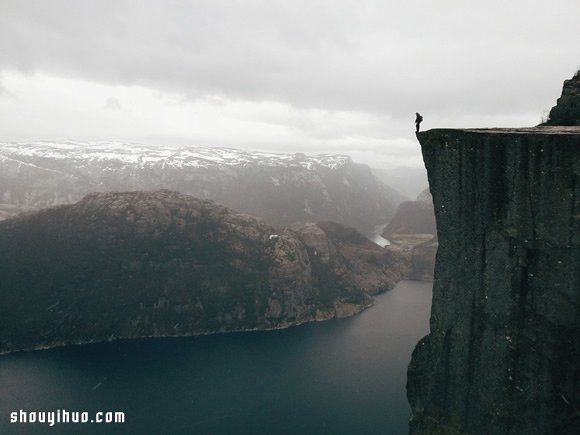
(161,263)
(503,354)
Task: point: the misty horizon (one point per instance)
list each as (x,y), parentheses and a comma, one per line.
(330,78)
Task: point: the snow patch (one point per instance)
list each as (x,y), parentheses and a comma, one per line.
(121,153)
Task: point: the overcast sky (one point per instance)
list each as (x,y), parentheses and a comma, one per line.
(291,76)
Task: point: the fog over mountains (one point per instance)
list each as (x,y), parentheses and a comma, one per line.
(283,189)
(110,228)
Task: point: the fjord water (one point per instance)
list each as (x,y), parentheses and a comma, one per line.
(343,376)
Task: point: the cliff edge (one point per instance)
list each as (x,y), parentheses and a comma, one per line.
(503,353)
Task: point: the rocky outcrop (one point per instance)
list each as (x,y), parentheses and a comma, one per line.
(139,264)
(413,234)
(413,220)
(567,109)
(283,189)
(417,258)
(503,353)
(422,259)
(360,263)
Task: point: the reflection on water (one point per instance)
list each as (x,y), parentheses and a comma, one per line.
(337,377)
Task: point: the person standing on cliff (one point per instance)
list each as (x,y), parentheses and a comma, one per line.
(418,120)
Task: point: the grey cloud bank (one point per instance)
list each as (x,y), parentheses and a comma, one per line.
(454,61)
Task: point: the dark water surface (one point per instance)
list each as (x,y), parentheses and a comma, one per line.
(337,377)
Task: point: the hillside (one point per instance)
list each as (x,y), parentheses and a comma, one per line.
(161,263)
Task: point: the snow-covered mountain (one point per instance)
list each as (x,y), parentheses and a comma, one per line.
(281,188)
(130,154)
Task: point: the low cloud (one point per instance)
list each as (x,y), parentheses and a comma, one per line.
(390,58)
(295,72)
(112,103)
(4,92)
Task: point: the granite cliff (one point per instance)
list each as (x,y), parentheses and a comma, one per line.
(161,263)
(503,353)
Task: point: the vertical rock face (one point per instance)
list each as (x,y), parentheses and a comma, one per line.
(567,110)
(503,354)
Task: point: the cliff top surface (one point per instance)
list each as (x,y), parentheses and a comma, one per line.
(552,129)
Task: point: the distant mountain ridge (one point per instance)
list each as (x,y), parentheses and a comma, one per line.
(143,155)
(281,188)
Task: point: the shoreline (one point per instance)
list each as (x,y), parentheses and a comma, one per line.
(321,316)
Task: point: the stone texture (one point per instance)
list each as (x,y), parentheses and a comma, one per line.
(503,353)
(423,260)
(567,109)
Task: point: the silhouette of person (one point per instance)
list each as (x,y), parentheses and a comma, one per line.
(418,120)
